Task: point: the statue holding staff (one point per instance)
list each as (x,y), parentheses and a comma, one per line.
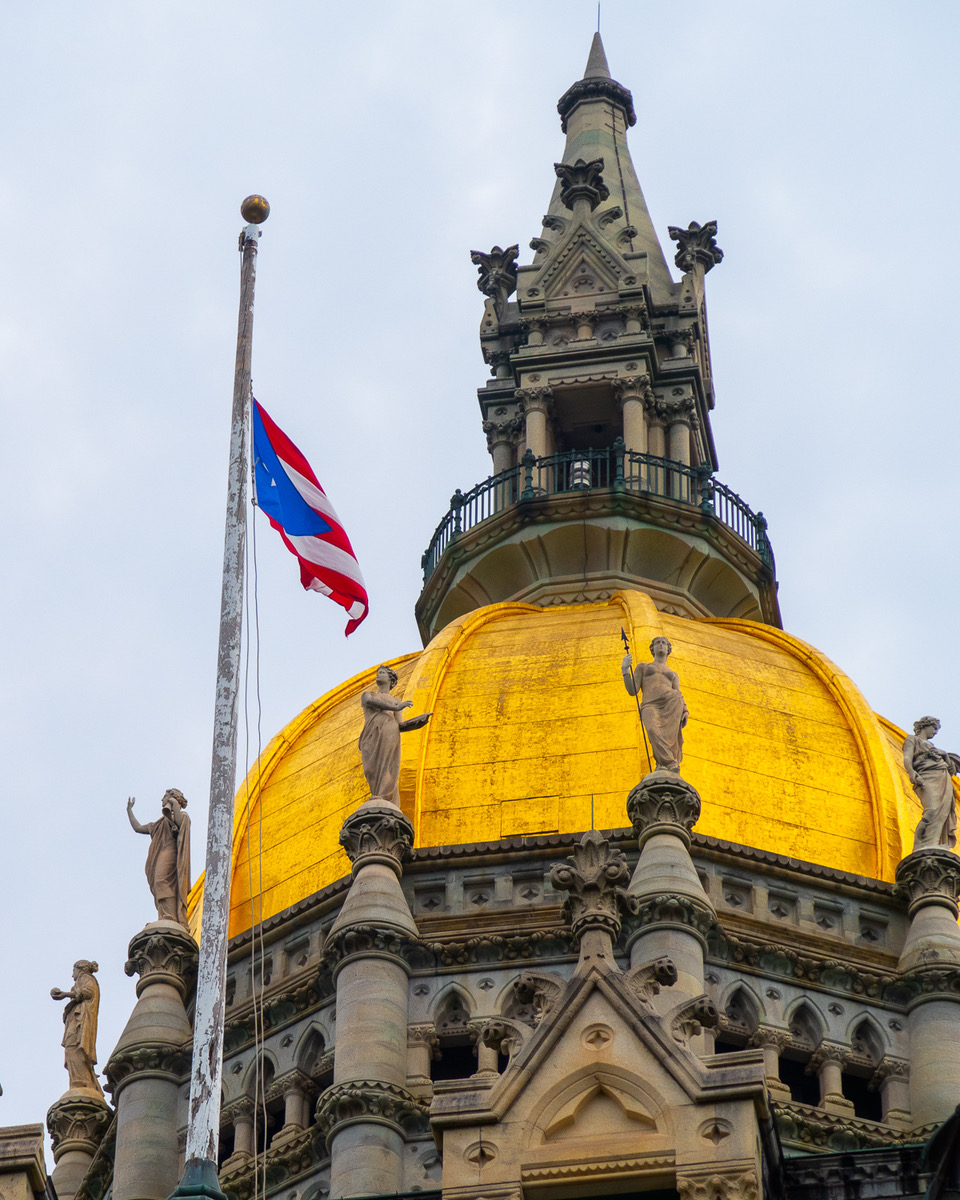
(663,711)
(80,1027)
(168,859)
(380,739)
(931,772)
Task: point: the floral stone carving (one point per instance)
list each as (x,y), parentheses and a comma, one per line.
(930,876)
(663,803)
(163,954)
(696,246)
(497,273)
(377,832)
(596,877)
(363,1100)
(77,1123)
(582,181)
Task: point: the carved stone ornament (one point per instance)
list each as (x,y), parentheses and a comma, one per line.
(539,990)
(596,87)
(692,1018)
(929,876)
(738,1185)
(768,1035)
(155,1060)
(377,832)
(663,803)
(503,432)
(827,1052)
(673,909)
(497,273)
(596,877)
(696,246)
(539,399)
(502,1035)
(632,387)
(163,953)
(368,1101)
(646,980)
(77,1123)
(368,940)
(582,181)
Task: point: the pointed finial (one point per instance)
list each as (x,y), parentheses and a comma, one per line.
(597,61)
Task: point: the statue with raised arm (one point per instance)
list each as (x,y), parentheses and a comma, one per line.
(380,739)
(168,859)
(663,710)
(80,1027)
(931,772)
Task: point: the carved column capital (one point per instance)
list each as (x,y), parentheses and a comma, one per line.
(77,1123)
(596,877)
(930,876)
(163,952)
(368,1102)
(497,273)
(889,1068)
(633,314)
(827,1052)
(535,399)
(769,1035)
(146,1062)
(734,1185)
(291,1081)
(677,408)
(424,1035)
(498,362)
(632,387)
(377,832)
(581,181)
(696,246)
(241,1109)
(663,803)
(505,432)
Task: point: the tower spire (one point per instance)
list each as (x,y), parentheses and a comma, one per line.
(597,60)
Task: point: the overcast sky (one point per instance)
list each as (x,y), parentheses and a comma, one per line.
(391,139)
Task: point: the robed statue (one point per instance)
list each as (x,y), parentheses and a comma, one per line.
(168,859)
(931,772)
(663,711)
(80,1027)
(380,739)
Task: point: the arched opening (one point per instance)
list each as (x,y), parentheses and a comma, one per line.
(738,1022)
(806,1033)
(456,1054)
(866,1051)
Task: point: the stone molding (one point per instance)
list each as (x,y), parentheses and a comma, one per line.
(368,941)
(597,87)
(77,1122)
(489,948)
(163,953)
(377,832)
(696,246)
(930,876)
(581,181)
(673,910)
(596,877)
(151,1061)
(276,1010)
(719,1185)
(925,983)
(814,1128)
(284,1160)
(368,1101)
(663,802)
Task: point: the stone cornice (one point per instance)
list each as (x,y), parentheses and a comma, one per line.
(150,1061)
(814,1129)
(284,1162)
(369,1101)
(285,1003)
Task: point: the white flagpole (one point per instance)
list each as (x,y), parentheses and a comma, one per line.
(203,1128)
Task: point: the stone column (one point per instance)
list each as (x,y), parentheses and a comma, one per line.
(930,962)
(826,1061)
(239,1114)
(674,914)
(679,416)
(149,1062)
(76,1123)
(891,1077)
(656,443)
(631,393)
(536,405)
(364,1111)
(421,1046)
(773,1042)
(634,316)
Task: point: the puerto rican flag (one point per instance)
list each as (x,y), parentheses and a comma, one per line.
(288,492)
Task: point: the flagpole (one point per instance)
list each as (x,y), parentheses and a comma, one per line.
(203,1127)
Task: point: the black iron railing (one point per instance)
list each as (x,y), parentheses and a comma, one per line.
(616,469)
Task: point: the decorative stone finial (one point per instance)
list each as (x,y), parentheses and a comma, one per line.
(582,181)
(80,1028)
(931,772)
(696,246)
(168,858)
(596,878)
(497,273)
(377,832)
(663,710)
(380,738)
(663,803)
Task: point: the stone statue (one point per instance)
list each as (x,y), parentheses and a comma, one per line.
(663,711)
(80,1027)
(168,859)
(380,739)
(931,772)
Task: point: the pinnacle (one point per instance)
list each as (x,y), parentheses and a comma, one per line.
(597,61)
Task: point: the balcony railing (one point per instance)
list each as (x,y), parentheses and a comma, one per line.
(615,469)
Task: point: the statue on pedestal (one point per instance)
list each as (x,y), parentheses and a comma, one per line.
(663,711)
(380,739)
(80,1027)
(168,859)
(931,772)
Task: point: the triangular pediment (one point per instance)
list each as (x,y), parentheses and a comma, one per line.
(581,266)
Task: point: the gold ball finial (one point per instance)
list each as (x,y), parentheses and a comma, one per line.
(255,209)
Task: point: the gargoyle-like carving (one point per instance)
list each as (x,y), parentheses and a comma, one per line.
(581,181)
(540,990)
(692,1018)
(609,215)
(646,980)
(506,1037)
(931,772)
(696,246)
(596,877)
(497,273)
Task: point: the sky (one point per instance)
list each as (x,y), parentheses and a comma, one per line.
(391,139)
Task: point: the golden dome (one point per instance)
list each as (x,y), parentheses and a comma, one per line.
(533,730)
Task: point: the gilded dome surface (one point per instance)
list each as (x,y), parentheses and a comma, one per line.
(533,732)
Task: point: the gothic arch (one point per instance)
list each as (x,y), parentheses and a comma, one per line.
(310,1048)
(806,1023)
(267,1069)
(742,1007)
(643,1107)
(453,1008)
(866,1038)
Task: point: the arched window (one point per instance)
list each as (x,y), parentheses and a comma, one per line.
(866,1051)
(806,1034)
(456,1055)
(738,1022)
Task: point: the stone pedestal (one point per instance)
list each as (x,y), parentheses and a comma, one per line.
(930,962)
(145,1068)
(674,912)
(76,1123)
(363,1114)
